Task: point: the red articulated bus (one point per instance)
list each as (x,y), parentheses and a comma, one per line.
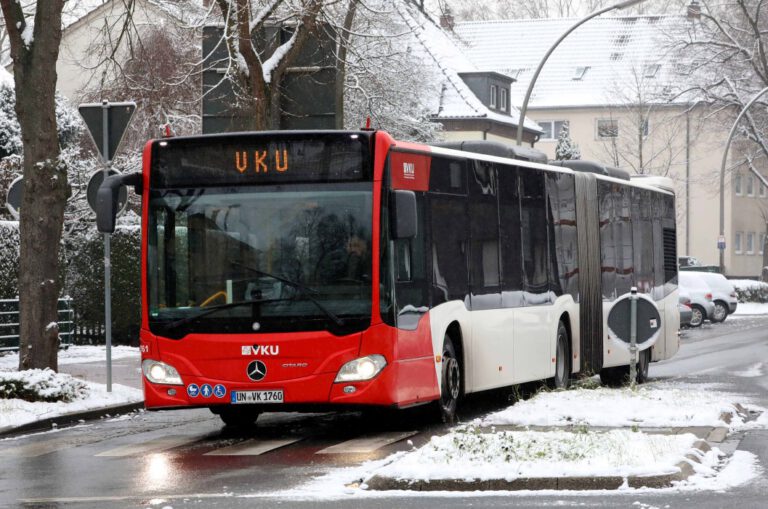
(327,269)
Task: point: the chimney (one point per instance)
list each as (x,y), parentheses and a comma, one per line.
(446,19)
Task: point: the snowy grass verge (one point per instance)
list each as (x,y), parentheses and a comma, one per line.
(469,454)
(660,405)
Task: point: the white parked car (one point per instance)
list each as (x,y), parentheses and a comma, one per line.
(723,294)
(702,306)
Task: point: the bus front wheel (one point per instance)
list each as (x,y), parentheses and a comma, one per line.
(450,387)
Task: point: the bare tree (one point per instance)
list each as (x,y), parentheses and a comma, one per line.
(650,130)
(726,56)
(34,42)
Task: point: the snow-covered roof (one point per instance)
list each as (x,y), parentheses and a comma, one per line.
(75,11)
(456,100)
(602,62)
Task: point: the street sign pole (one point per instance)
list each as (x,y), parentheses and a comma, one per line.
(633,337)
(107,122)
(107,261)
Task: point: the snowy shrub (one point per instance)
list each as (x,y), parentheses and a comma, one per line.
(67,119)
(752,291)
(9,259)
(41,385)
(85,282)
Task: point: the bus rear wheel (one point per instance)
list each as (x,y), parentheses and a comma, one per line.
(450,387)
(562,377)
(237,417)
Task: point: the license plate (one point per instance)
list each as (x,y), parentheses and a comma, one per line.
(246,397)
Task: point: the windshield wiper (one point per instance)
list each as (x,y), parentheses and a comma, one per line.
(212,309)
(307,291)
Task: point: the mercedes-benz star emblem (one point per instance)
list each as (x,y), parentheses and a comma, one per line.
(256,371)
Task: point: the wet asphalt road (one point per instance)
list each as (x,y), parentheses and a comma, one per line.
(187,459)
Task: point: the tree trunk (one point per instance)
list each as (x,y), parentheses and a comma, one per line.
(45,180)
(341,62)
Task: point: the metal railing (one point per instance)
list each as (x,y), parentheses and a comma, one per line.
(9,323)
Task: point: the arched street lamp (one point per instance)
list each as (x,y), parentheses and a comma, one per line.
(721,246)
(524,109)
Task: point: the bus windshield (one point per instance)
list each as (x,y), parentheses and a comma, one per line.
(260,258)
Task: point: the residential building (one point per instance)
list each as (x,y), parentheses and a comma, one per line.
(613,82)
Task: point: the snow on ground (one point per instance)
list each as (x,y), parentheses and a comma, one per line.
(751,308)
(479,450)
(76,354)
(84,395)
(17,412)
(470,454)
(655,405)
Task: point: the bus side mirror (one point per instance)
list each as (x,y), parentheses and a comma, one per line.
(404,220)
(107,199)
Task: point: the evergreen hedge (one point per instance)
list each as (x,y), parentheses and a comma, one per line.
(82,274)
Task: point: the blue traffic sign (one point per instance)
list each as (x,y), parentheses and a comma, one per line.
(219,391)
(206,390)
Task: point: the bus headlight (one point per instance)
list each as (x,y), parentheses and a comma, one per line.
(160,373)
(361,369)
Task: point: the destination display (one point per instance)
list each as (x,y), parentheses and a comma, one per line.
(254,159)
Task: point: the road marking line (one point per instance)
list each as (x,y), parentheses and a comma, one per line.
(367,444)
(36,449)
(253,447)
(156,445)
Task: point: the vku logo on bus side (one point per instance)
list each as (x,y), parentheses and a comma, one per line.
(409,171)
(265,350)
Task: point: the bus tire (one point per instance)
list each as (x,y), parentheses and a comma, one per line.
(643,365)
(450,386)
(619,375)
(237,417)
(562,377)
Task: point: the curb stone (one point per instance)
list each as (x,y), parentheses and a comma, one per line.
(71,418)
(666,480)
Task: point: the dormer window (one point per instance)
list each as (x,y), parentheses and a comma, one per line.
(503,100)
(650,71)
(580,72)
(494,96)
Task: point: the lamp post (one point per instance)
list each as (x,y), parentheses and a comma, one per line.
(524,109)
(722,175)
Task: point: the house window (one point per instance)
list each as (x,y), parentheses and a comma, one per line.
(580,72)
(761,247)
(750,243)
(644,127)
(503,100)
(494,92)
(762,190)
(737,184)
(650,71)
(551,128)
(750,185)
(737,243)
(607,128)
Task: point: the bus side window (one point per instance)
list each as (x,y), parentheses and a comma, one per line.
(533,214)
(484,236)
(403,259)
(509,236)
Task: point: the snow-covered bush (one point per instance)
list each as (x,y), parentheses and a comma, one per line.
(751,291)
(9,259)
(41,385)
(566,149)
